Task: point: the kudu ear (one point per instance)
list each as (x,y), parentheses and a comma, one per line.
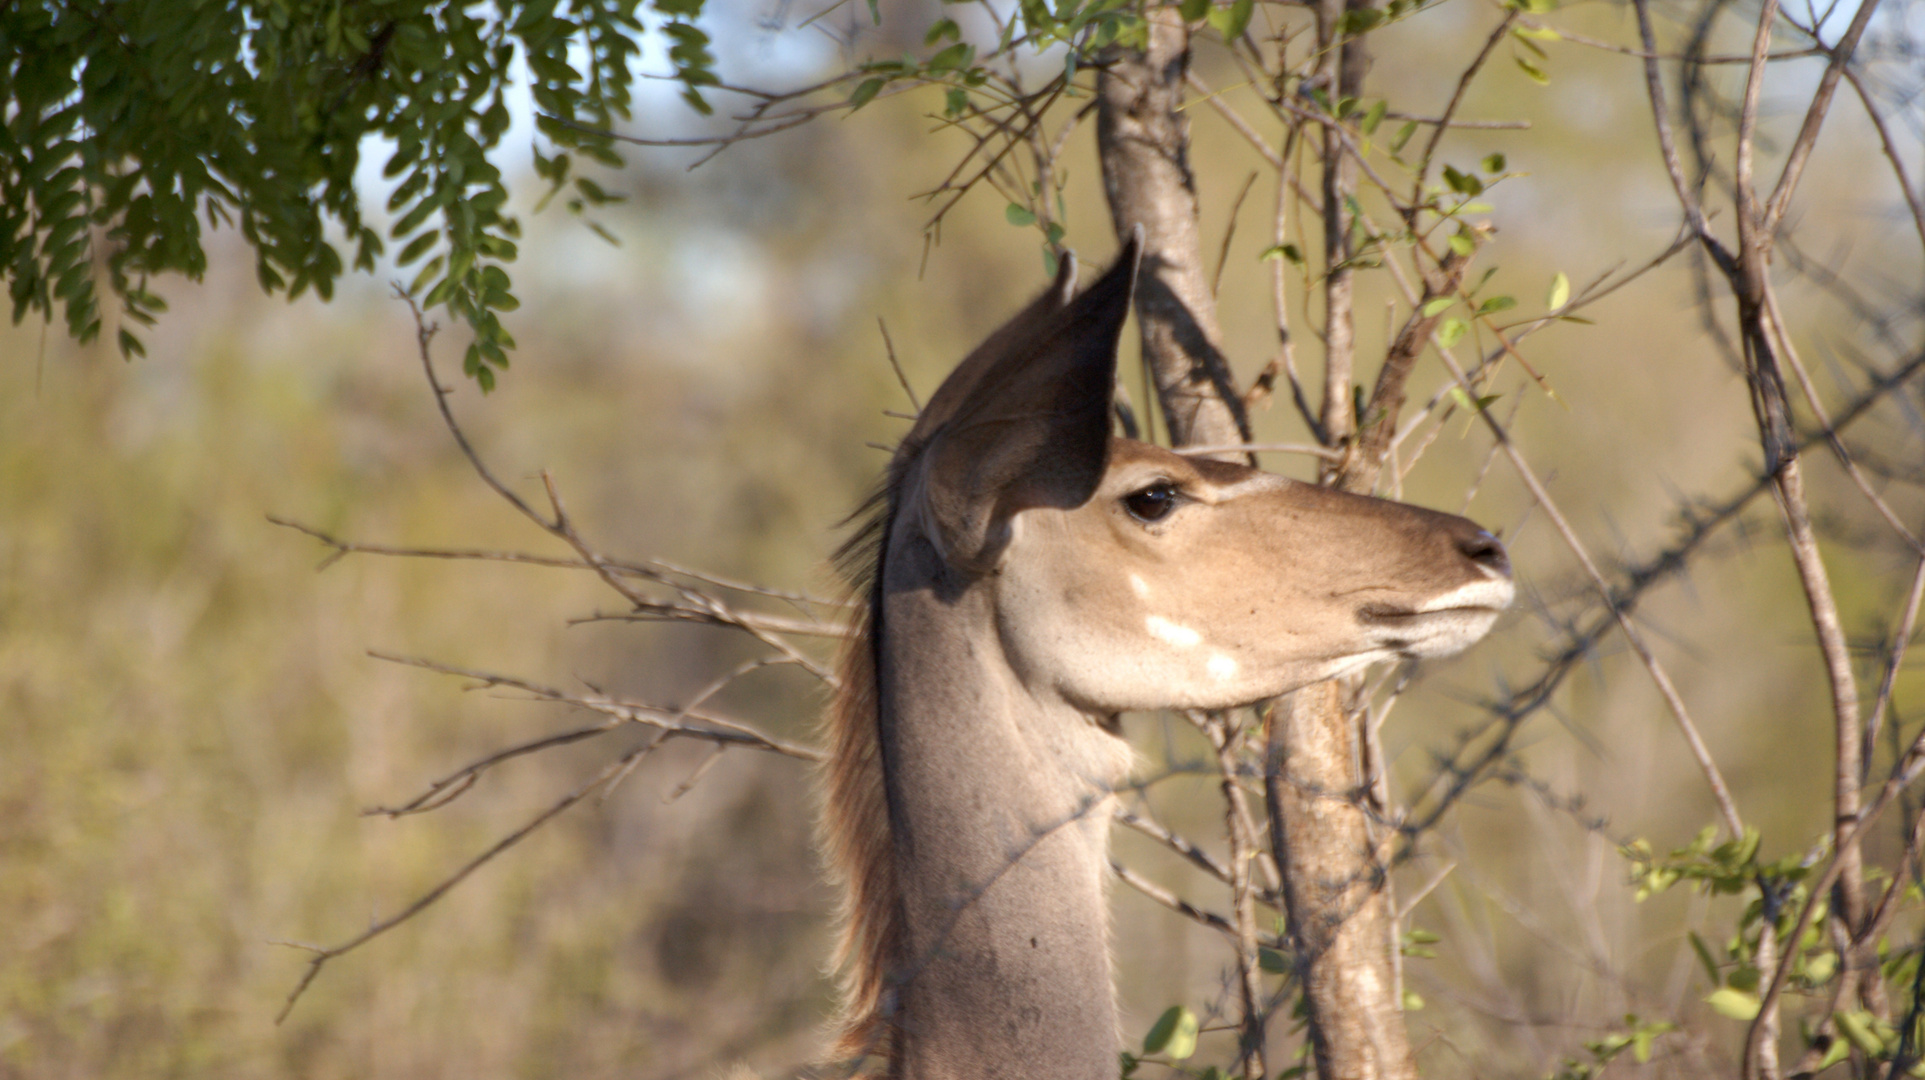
(1025,419)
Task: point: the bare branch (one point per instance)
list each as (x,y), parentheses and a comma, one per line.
(1901,640)
(1841,55)
(717,614)
(1456,99)
(1661,114)
(455,784)
(1172,901)
(1720,792)
(1243,851)
(1891,153)
(323,954)
(1189,851)
(1264,448)
(719,729)
(896,366)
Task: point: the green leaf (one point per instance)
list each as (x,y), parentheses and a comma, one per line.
(1536,73)
(1861,1029)
(1819,968)
(1462,182)
(944,28)
(427,274)
(1641,1045)
(955,56)
(1839,1050)
(1438,305)
(955,102)
(1560,291)
(1463,245)
(1356,21)
(1374,117)
(1237,20)
(1450,332)
(1704,957)
(1192,10)
(1494,163)
(1403,136)
(1287,251)
(417,247)
(1272,961)
(865,92)
(1735,1004)
(1174,1033)
(443,289)
(1412,1002)
(1019,215)
(1232,20)
(1496,304)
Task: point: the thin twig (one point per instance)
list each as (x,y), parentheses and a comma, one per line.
(719,729)
(1172,901)
(895,366)
(324,954)
(1714,778)
(1264,448)
(1901,639)
(1841,55)
(1456,99)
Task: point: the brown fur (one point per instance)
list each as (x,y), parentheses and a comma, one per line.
(855,814)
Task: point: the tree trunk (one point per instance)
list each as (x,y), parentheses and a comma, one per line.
(1336,888)
(1144,141)
(1334,880)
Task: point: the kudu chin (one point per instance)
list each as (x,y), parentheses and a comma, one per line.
(1028,577)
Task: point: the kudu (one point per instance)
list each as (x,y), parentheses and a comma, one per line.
(1028,578)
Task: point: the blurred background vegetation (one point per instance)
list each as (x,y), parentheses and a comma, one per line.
(192,724)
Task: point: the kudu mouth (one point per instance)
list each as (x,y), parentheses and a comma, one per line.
(1450,622)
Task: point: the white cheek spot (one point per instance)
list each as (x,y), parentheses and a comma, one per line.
(1221,667)
(1140,587)
(1176,634)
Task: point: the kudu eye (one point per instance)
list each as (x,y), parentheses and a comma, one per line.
(1153,503)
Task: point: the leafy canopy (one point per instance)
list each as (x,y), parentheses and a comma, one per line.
(131,121)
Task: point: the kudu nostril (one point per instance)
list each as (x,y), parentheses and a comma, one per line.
(1486,551)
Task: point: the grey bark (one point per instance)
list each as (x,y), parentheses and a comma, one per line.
(1144,141)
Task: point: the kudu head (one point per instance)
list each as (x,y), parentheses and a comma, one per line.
(1125,576)
(1030,578)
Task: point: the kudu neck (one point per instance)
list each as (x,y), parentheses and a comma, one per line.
(999,803)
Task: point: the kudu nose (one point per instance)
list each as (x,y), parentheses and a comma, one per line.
(1486,551)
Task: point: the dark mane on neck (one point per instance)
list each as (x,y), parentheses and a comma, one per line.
(854,824)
